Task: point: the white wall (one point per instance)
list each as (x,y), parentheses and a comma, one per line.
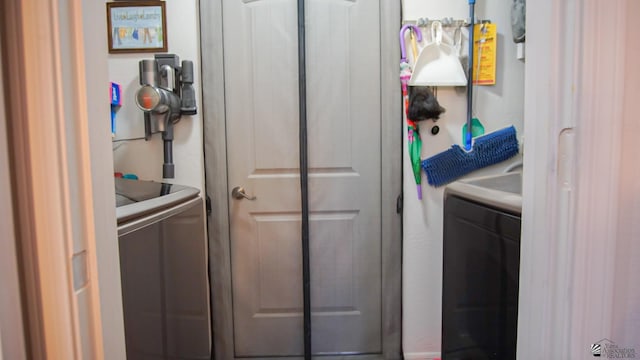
(95,52)
(496,107)
(581,202)
(625,328)
(145,158)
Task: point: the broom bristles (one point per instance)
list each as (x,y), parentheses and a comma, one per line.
(454,163)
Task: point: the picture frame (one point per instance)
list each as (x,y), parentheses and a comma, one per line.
(137,26)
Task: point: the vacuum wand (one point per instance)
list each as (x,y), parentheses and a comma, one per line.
(168,169)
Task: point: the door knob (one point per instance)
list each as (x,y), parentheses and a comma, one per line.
(238,193)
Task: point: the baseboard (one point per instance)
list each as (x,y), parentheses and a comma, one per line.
(422,356)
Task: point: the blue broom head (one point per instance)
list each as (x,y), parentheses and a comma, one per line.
(454,163)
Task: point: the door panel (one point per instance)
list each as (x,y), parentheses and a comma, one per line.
(344,117)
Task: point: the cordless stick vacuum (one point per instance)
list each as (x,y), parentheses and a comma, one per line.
(165,95)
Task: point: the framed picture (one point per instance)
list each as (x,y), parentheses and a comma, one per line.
(136,26)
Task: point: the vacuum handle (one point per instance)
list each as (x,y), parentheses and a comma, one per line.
(148,72)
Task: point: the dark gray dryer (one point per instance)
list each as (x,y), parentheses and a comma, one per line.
(163,267)
(481,267)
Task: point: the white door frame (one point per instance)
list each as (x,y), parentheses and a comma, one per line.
(12,344)
(51,177)
(574,82)
(217,187)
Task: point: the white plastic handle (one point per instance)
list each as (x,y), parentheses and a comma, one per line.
(436,31)
(458,39)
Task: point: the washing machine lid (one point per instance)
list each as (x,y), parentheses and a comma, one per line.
(136,198)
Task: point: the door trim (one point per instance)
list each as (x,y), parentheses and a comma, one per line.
(215,149)
(215,154)
(390,20)
(11,309)
(568,263)
(51,179)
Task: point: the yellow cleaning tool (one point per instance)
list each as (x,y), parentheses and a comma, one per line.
(484,54)
(414,45)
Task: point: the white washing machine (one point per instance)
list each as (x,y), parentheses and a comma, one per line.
(164,270)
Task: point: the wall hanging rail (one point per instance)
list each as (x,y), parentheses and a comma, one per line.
(446,22)
(440,60)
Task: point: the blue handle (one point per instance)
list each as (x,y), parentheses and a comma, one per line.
(113,120)
(468,135)
(467,140)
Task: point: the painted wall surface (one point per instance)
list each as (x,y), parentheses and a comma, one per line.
(626,302)
(96,67)
(496,106)
(145,158)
